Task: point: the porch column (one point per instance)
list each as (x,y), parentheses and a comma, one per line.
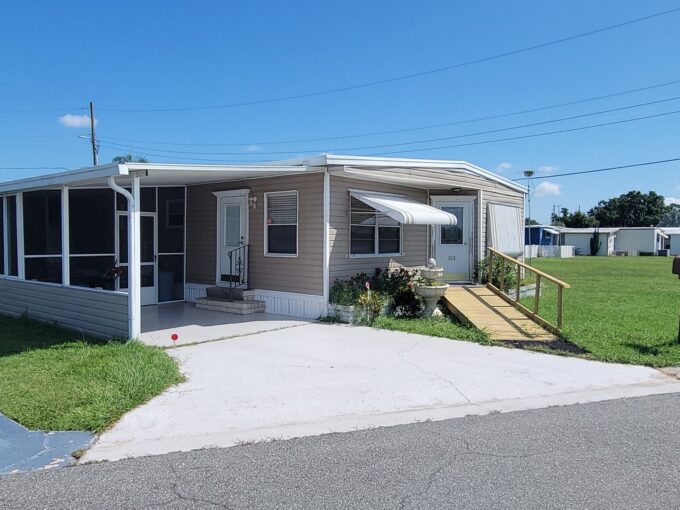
(65,246)
(21,268)
(326,238)
(134,260)
(5,230)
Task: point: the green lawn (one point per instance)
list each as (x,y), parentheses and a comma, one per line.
(622,309)
(51,379)
(444,327)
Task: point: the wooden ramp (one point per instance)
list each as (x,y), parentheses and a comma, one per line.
(481,308)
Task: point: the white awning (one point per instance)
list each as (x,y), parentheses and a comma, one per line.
(404,210)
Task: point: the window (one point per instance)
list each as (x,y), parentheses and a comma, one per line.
(12,265)
(91,229)
(453,234)
(42,235)
(2,235)
(281,216)
(372,232)
(91,221)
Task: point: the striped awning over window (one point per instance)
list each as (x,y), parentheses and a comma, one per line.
(404,210)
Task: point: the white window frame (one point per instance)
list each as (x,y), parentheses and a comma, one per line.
(297,224)
(376,240)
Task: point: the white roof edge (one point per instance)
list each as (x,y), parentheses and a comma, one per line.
(92,173)
(63,178)
(332,159)
(216,168)
(291,165)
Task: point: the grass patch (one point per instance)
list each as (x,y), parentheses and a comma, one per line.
(53,379)
(619,309)
(445,327)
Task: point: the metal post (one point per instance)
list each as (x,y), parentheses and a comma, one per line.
(135,259)
(21,268)
(65,238)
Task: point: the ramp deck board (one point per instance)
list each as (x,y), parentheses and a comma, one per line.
(481,308)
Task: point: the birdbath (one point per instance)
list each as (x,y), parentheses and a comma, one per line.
(430,289)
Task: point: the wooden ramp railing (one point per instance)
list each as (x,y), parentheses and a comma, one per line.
(540,277)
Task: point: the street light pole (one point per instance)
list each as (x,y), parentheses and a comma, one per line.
(529,174)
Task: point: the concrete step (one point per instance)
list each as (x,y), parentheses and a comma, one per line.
(231,305)
(226,293)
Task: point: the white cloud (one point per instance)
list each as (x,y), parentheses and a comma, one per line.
(503,166)
(76,121)
(546,169)
(252,148)
(671,200)
(548,189)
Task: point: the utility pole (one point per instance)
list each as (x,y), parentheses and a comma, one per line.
(92,135)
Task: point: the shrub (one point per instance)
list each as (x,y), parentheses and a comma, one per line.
(391,281)
(369,306)
(385,281)
(406,304)
(510,272)
(343,293)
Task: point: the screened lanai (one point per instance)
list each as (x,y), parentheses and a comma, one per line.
(87,248)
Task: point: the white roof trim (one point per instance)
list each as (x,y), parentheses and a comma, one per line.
(368,161)
(404,210)
(82,175)
(85,175)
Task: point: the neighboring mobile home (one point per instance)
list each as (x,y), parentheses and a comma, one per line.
(640,240)
(672,242)
(580,238)
(541,235)
(88,248)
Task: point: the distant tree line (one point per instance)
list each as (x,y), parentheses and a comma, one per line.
(632,209)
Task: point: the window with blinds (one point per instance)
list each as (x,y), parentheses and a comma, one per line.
(281,216)
(372,232)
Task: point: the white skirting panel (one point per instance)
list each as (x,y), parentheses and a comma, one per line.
(290,303)
(193,291)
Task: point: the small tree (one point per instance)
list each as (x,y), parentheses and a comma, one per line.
(129,158)
(595,243)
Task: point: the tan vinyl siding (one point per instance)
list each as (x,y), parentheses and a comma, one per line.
(414,237)
(302,274)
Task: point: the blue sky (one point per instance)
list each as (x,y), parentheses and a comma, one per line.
(57,56)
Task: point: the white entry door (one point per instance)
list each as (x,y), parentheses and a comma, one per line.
(453,244)
(149,294)
(232,239)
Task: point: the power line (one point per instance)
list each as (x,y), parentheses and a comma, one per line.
(43,110)
(405,130)
(116,147)
(581,128)
(416,142)
(403,76)
(33,168)
(30,137)
(607,169)
(547,133)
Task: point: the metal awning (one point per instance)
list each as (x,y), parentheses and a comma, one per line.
(404,210)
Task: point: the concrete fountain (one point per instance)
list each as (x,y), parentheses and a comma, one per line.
(429,288)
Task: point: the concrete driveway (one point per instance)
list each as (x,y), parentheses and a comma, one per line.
(317,378)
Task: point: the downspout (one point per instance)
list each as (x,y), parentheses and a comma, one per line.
(326,238)
(134,302)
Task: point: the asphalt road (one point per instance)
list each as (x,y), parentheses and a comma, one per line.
(616,454)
